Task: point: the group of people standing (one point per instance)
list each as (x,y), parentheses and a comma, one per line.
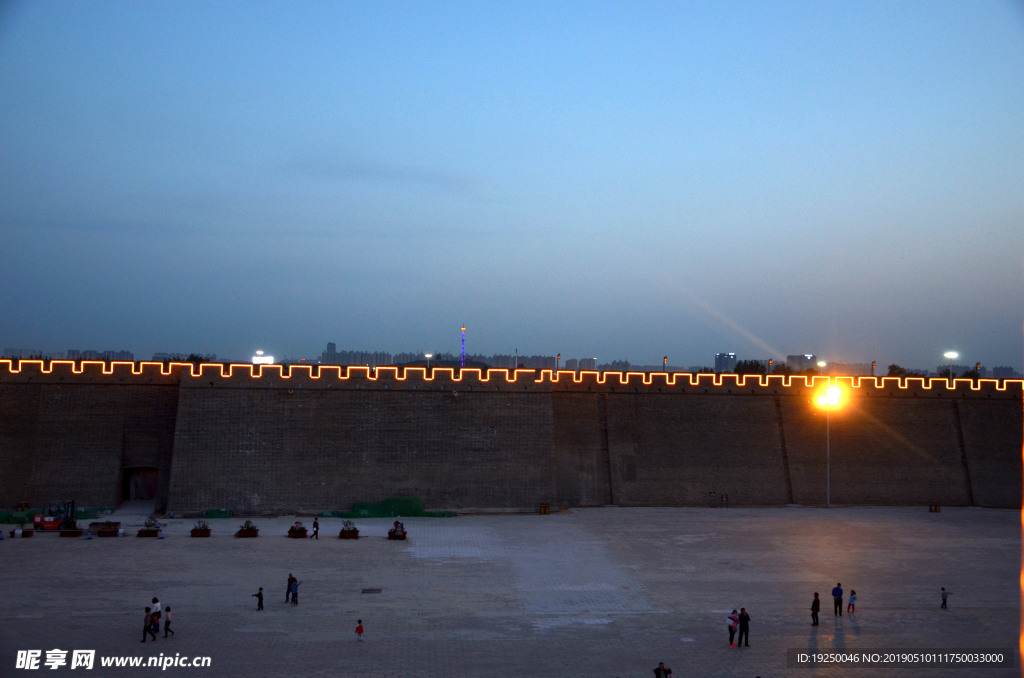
(739,622)
(151,621)
(837,603)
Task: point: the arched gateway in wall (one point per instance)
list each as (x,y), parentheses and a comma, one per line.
(277,439)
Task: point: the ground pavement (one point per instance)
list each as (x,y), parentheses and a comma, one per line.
(588,592)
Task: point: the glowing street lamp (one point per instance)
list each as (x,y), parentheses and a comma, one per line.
(952,355)
(829,401)
(428,356)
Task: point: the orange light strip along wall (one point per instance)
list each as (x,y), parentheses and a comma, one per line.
(476,375)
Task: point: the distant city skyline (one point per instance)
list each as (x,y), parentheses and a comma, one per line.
(349,356)
(615,180)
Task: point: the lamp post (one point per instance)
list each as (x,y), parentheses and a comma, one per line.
(829,401)
(952,355)
(428,356)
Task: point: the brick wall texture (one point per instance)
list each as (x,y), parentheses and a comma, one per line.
(274,441)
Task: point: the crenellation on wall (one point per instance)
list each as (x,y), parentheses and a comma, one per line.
(87,371)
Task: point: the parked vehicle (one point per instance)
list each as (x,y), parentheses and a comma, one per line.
(58,514)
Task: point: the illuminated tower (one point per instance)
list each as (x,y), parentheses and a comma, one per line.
(463,363)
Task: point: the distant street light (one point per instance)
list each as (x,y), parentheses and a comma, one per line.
(428,356)
(829,401)
(952,355)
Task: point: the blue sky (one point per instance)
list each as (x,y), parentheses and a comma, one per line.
(597,179)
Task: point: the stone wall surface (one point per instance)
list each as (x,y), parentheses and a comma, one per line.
(274,440)
(65,435)
(306,449)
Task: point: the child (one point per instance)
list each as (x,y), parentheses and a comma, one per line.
(734,622)
(147,625)
(851,605)
(259,599)
(359,629)
(167,621)
(944,594)
(295,592)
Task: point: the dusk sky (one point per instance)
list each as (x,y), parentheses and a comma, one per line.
(619,180)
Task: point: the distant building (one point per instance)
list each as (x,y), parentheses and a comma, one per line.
(183,357)
(616,366)
(23,353)
(106,356)
(802,362)
(958,370)
(725,362)
(169,357)
(848,369)
(1005,372)
(332,356)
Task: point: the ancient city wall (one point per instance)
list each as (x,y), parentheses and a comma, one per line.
(270,439)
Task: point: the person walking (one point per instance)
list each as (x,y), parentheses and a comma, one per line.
(288,591)
(837,600)
(851,605)
(815,608)
(167,622)
(734,622)
(359,630)
(316,529)
(156,612)
(744,638)
(147,625)
(944,594)
(662,671)
(259,599)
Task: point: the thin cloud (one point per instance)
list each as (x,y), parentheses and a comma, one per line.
(346,169)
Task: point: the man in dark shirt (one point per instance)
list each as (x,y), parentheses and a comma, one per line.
(661,671)
(815,607)
(837,598)
(744,638)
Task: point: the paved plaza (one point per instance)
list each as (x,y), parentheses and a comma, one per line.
(588,592)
